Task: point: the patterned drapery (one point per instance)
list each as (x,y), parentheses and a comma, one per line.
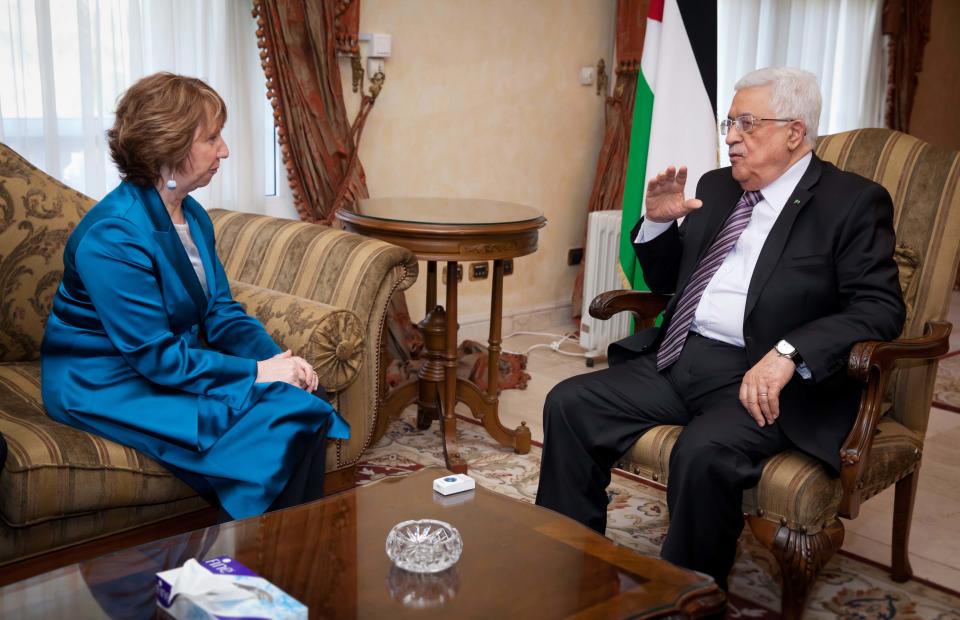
(299,42)
(611,173)
(907,23)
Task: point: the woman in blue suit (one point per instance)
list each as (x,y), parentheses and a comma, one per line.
(145,344)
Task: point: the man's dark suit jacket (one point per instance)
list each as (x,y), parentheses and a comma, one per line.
(825,279)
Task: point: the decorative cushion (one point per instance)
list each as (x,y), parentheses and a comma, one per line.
(54,471)
(795,489)
(331,339)
(37,214)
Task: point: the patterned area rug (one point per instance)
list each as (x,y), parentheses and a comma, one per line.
(946,393)
(847,587)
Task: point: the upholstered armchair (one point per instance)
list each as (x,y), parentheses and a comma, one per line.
(319,291)
(796,508)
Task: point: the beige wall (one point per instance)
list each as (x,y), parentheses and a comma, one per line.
(482,100)
(935,117)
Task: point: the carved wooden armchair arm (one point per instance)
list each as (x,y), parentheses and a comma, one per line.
(872,362)
(644,305)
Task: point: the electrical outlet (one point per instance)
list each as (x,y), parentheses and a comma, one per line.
(575,256)
(479,271)
(459,273)
(507,266)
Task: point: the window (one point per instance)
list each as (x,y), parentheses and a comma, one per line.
(65,64)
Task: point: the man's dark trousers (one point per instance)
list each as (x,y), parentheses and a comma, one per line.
(591,420)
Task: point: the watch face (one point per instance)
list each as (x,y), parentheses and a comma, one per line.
(785,348)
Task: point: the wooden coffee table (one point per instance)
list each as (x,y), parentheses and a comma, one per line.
(452,230)
(518,561)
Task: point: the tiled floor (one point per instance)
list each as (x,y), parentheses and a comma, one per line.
(934,544)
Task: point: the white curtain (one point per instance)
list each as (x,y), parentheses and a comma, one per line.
(840,41)
(64,63)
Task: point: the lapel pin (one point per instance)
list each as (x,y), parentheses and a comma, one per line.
(797,201)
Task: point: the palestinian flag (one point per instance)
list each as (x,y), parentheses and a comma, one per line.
(675,113)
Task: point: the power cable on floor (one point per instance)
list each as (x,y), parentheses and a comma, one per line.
(554,346)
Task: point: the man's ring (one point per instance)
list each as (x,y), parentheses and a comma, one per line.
(763,393)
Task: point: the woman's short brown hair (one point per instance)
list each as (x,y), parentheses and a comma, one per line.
(156,121)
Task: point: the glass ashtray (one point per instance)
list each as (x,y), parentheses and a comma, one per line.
(424,545)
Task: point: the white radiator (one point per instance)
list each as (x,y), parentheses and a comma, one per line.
(601,274)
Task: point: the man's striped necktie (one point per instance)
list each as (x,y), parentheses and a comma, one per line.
(686,306)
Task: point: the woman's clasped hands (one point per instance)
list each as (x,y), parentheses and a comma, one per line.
(288,368)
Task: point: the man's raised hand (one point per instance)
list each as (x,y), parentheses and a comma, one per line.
(665,201)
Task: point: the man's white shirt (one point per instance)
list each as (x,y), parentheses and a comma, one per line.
(719,314)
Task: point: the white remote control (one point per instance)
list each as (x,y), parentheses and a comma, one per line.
(454,483)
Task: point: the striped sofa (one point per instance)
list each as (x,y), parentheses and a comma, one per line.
(320,291)
(794,509)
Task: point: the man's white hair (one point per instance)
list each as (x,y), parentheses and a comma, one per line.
(794,93)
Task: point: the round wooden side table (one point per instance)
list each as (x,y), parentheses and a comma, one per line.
(452,230)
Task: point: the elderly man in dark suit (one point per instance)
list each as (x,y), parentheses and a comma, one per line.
(781,263)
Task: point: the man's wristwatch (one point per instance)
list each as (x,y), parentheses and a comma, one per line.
(787,350)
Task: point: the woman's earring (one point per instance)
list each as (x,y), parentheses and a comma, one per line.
(171,184)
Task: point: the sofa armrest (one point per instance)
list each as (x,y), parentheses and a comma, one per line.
(317,262)
(330,339)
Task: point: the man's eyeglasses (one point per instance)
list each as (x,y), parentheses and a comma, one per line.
(746,123)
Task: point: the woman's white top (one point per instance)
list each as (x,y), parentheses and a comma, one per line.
(184,231)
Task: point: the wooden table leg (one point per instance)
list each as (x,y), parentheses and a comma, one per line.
(431,285)
(451,448)
(438,375)
(485,406)
(425,388)
(432,373)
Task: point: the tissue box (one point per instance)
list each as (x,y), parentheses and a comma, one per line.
(221,588)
